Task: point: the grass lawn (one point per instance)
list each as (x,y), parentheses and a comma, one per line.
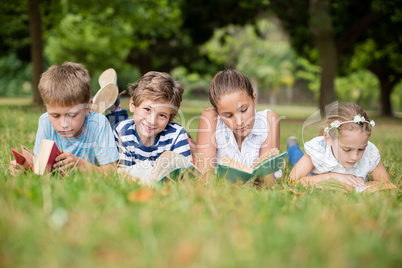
(90,220)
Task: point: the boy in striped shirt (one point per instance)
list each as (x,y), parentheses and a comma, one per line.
(84,137)
(155,100)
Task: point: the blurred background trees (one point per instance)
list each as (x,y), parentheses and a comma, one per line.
(295,51)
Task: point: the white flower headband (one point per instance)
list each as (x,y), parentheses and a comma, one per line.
(357,119)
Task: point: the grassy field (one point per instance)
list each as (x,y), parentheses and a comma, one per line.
(89,220)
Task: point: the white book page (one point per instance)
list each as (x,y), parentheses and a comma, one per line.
(362,188)
(141,170)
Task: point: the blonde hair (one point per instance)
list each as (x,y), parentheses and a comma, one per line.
(65,85)
(345,112)
(229,81)
(157,86)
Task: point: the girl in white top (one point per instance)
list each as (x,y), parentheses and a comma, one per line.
(343,152)
(232,127)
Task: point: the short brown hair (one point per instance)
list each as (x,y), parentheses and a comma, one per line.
(229,81)
(345,112)
(65,85)
(157,86)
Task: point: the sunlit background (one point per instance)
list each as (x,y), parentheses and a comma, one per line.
(293,51)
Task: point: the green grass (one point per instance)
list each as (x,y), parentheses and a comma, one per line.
(89,220)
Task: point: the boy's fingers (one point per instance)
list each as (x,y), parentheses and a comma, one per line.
(66,164)
(61,160)
(66,167)
(64,157)
(60,157)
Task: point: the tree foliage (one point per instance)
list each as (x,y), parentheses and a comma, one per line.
(14,29)
(259,50)
(353,24)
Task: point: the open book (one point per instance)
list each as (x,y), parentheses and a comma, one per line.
(374,186)
(169,166)
(370,186)
(266,164)
(41,164)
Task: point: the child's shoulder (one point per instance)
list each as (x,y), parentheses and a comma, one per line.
(268,114)
(316,145)
(95,119)
(372,151)
(44,116)
(210,112)
(124,125)
(266,111)
(92,116)
(44,121)
(173,127)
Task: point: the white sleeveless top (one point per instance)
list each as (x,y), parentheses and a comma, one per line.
(250,148)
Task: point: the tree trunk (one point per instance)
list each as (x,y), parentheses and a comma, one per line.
(35,32)
(387,84)
(324,42)
(386,89)
(388,80)
(142,61)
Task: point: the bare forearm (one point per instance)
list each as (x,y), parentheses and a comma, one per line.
(348,179)
(85,166)
(205,162)
(312,180)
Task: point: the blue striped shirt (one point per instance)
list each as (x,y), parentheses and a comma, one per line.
(132,150)
(95,143)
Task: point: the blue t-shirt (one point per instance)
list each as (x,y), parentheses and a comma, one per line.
(95,143)
(132,150)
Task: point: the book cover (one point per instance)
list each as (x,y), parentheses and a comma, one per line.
(233,173)
(25,158)
(46,157)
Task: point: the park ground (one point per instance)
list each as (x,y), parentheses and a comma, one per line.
(91,220)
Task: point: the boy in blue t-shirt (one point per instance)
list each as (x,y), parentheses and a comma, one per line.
(84,137)
(155,100)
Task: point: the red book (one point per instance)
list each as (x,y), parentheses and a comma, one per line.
(46,157)
(26,158)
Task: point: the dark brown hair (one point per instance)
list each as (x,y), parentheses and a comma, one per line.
(157,86)
(226,82)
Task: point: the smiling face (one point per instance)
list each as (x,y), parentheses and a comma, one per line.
(349,147)
(237,111)
(68,121)
(151,118)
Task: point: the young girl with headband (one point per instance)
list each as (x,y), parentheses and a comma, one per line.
(232,127)
(341,152)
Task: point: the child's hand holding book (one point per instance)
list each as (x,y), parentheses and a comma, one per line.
(67,161)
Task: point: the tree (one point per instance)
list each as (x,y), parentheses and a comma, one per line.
(35,32)
(14,29)
(160,34)
(21,35)
(347,24)
(322,37)
(381,50)
(261,51)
